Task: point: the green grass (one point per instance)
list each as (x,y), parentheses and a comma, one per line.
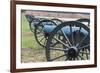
(27,38)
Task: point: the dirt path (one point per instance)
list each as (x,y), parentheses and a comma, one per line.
(29,55)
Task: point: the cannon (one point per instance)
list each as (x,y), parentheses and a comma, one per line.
(68,40)
(33,21)
(36,26)
(72,44)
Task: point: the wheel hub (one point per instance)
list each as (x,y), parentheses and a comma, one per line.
(72,52)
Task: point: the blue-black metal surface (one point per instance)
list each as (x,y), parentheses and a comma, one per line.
(49,28)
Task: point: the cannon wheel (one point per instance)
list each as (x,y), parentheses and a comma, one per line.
(84,20)
(39,34)
(32,25)
(70,47)
(57,21)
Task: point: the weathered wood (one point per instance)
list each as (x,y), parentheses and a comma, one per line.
(58,14)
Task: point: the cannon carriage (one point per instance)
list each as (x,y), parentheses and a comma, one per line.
(70,39)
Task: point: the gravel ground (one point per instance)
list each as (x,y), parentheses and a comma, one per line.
(28,55)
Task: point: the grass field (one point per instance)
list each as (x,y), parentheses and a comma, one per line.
(28,40)
(31,51)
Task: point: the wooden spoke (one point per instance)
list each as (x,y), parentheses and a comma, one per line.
(57,57)
(61,42)
(59,49)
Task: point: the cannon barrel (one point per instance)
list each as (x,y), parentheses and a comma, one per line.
(49,28)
